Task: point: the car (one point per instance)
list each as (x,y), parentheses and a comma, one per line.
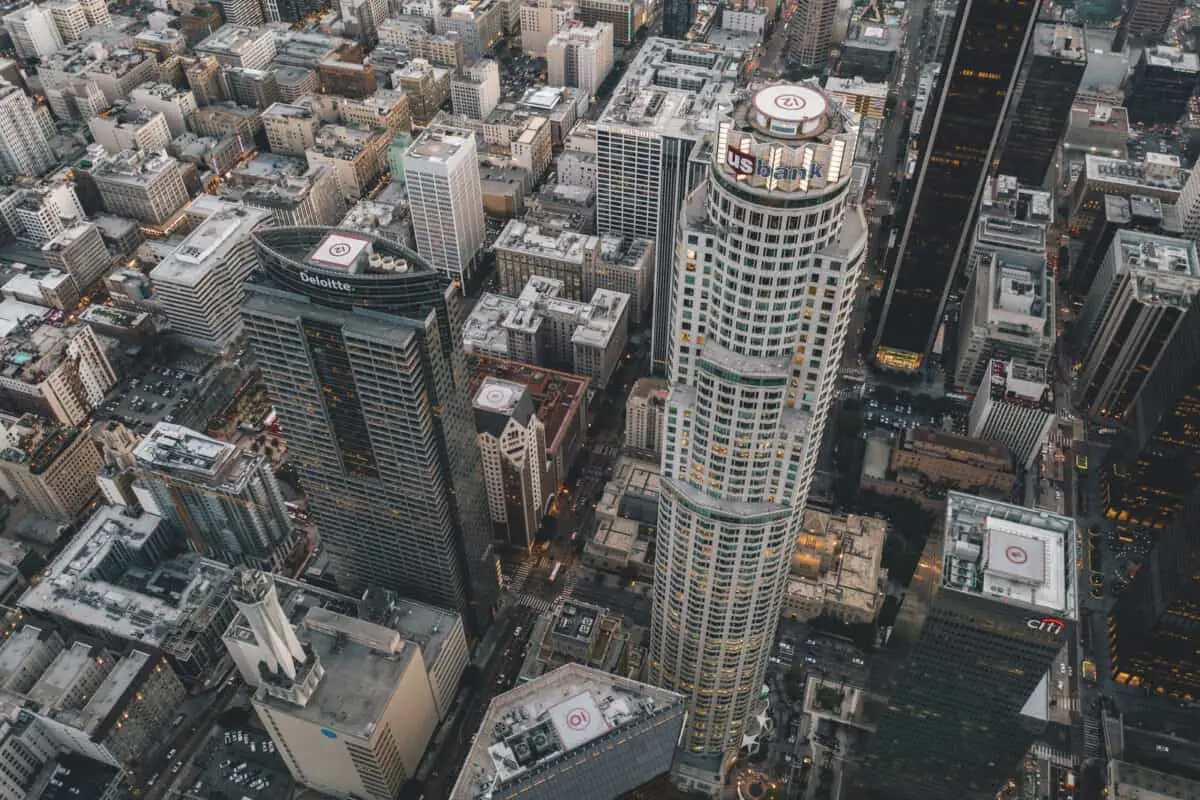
(171,753)
(178,765)
(1097,579)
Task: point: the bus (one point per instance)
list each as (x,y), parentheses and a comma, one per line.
(554,572)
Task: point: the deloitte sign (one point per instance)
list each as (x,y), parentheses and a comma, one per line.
(326,283)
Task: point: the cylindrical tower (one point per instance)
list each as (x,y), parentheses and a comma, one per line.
(255,596)
(768,256)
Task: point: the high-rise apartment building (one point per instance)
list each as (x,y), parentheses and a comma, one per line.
(441,171)
(512,445)
(24,149)
(648,155)
(1053,69)
(199,285)
(33,32)
(224,500)
(1014,405)
(1139,302)
(475,91)
(580,56)
(768,257)
(998,584)
(990,39)
(377,411)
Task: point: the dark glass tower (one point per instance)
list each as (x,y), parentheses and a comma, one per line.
(358,341)
(1053,69)
(988,44)
(678,16)
(992,606)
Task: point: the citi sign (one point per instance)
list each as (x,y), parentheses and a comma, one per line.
(746,164)
(1049,625)
(326,283)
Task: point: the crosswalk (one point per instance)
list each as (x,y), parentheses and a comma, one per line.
(538,604)
(569,582)
(1091,736)
(522,574)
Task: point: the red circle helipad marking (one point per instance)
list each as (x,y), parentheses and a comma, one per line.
(339,249)
(578,719)
(1016,555)
(790,102)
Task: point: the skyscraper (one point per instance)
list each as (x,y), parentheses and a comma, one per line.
(991,607)
(1014,405)
(988,44)
(678,16)
(360,347)
(223,499)
(812,34)
(24,149)
(768,254)
(648,154)
(1053,69)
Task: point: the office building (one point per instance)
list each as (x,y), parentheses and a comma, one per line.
(524,251)
(51,468)
(1053,69)
(1145,20)
(644,414)
(390,466)
(871,51)
(581,633)
(357,153)
(1008,312)
(225,501)
(626,514)
(626,16)
(1140,301)
(990,39)
(477,25)
(865,98)
(648,153)
(1014,405)
(78,252)
(625,265)
(291,129)
(811,36)
(121,581)
(678,18)
(1188,206)
(236,45)
(73,18)
(542,327)
(24,149)
(835,571)
(242,12)
(199,285)
(61,373)
(998,583)
(540,20)
(126,127)
(1011,217)
(1163,81)
(56,289)
(141,185)
(713,621)
(576,731)
(924,462)
(580,56)
(441,171)
(439,633)
(427,87)
(1159,176)
(34,34)
(37,213)
(294,192)
(1098,128)
(347,72)
(1134,213)
(475,92)
(512,444)
(347,702)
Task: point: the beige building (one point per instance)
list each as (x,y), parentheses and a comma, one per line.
(358,155)
(523,136)
(475,91)
(524,250)
(128,127)
(427,87)
(836,568)
(540,20)
(923,464)
(626,513)
(626,265)
(866,98)
(52,468)
(580,56)
(141,185)
(291,129)
(644,413)
(59,373)
(79,251)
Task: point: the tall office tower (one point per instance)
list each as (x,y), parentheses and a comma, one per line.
(990,39)
(359,343)
(223,499)
(1136,212)
(769,252)
(677,18)
(475,91)
(1008,312)
(580,56)
(512,444)
(996,598)
(33,32)
(1153,625)
(1014,406)
(24,149)
(1148,20)
(648,154)
(1187,206)
(1162,83)
(626,16)
(1160,176)
(1142,295)
(812,34)
(1049,80)
(441,171)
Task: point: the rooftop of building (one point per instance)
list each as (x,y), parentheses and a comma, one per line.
(558,397)
(127,115)
(672,88)
(1165,269)
(527,239)
(948,444)
(74,776)
(364,663)
(630,475)
(37,442)
(856,85)
(840,556)
(1005,198)
(1102,116)
(438,145)
(115,575)
(207,247)
(103,50)
(878,36)
(233,39)
(195,458)
(495,316)
(1010,554)
(1157,171)
(131,166)
(111,698)
(1019,383)
(114,317)
(550,717)
(1065,42)
(1175,58)
(1018,285)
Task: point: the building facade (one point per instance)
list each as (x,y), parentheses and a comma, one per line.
(512,444)
(1015,406)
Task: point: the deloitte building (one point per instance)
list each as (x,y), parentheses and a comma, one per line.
(358,342)
(769,251)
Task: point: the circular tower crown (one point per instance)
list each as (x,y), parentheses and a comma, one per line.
(789,111)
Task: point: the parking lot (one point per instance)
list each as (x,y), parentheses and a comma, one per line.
(186,391)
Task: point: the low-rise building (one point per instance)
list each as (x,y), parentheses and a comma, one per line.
(625,265)
(525,250)
(867,99)
(129,127)
(291,128)
(240,46)
(357,154)
(644,413)
(55,289)
(475,90)
(427,87)
(50,467)
(626,516)
(79,252)
(582,633)
(145,186)
(924,464)
(294,192)
(835,570)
